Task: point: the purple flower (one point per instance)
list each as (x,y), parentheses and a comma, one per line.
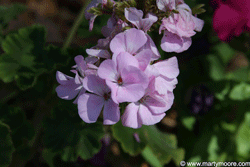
(134,16)
(178,29)
(123,76)
(91,104)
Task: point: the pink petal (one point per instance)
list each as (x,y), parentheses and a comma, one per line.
(163,84)
(168,68)
(158,104)
(144,58)
(68,92)
(89,107)
(117,44)
(185,44)
(129,118)
(171,42)
(99,53)
(134,40)
(147,118)
(134,16)
(165,5)
(95,85)
(114,88)
(63,79)
(107,70)
(198,24)
(148,21)
(125,59)
(111,112)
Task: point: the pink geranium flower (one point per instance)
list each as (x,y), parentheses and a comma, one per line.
(123,76)
(149,110)
(179,28)
(91,104)
(231,18)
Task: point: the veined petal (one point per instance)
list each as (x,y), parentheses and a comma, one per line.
(124,60)
(147,118)
(144,58)
(134,40)
(171,42)
(96,85)
(168,68)
(117,44)
(114,87)
(130,116)
(89,107)
(111,112)
(134,16)
(107,70)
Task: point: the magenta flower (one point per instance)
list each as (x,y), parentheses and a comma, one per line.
(178,29)
(134,16)
(235,21)
(149,110)
(123,76)
(91,104)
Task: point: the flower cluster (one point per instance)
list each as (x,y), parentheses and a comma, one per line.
(122,74)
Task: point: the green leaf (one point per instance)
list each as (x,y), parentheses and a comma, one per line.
(8,68)
(69,135)
(6,145)
(213,149)
(240,91)
(149,156)
(48,156)
(242,137)
(23,57)
(127,139)
(198,9)
(188,122)
(242,74)
(216,71)
(8,13)
(162,145)
(225,52)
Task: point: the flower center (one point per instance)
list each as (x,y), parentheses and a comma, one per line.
(107,96)
(119,81)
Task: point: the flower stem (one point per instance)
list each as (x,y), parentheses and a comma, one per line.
(75,26)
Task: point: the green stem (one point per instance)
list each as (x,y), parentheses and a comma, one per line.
(75,26)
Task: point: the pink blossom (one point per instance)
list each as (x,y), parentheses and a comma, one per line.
(149,110)
(235,21)
(165,5)
(90,104)
(134,16)
(123,76)
(179,28)
(135,42)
